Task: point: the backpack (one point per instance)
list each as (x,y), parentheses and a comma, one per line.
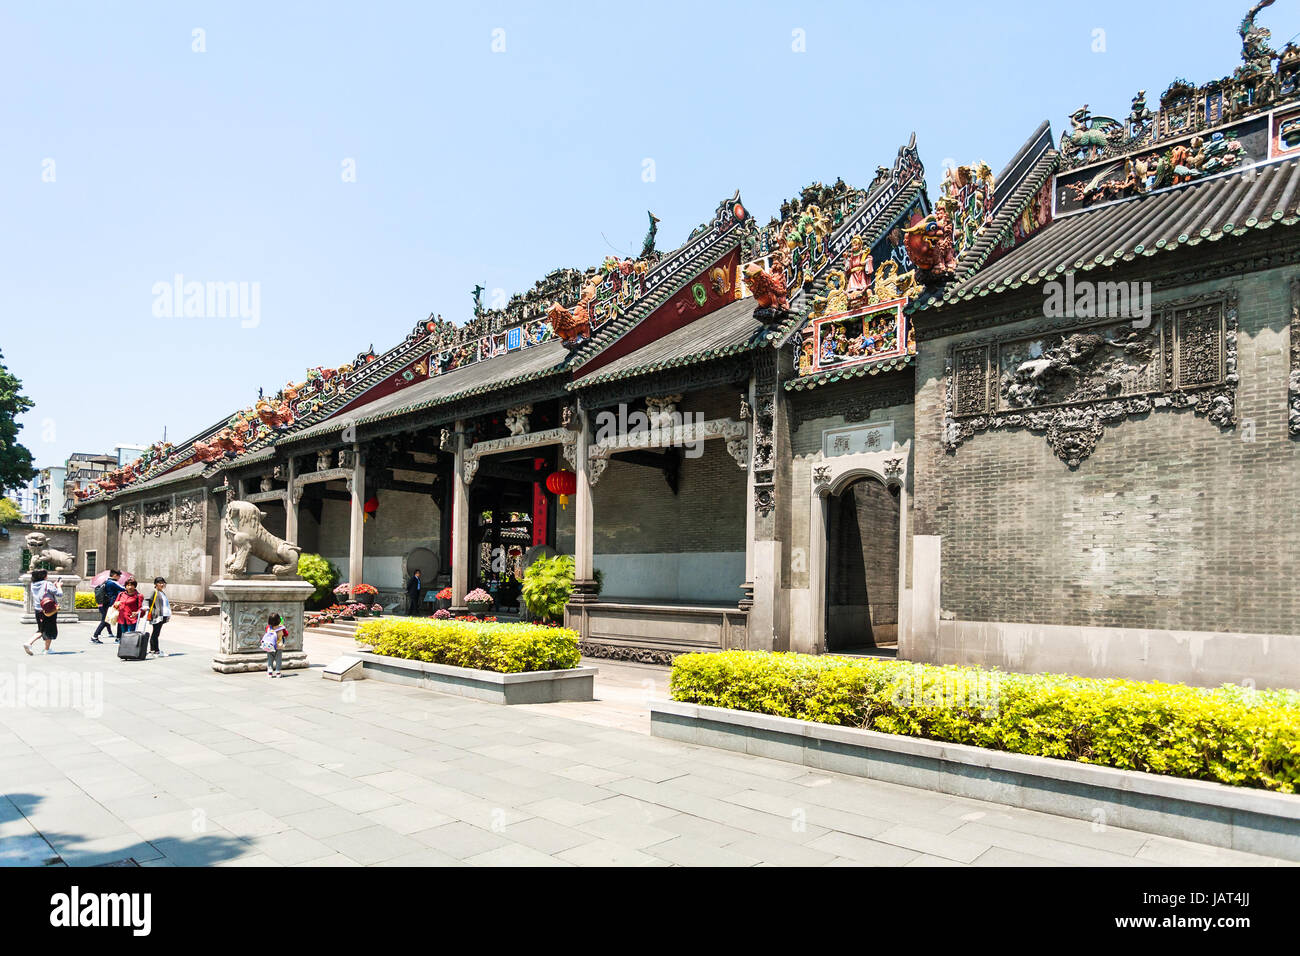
(101,594)
(49,604)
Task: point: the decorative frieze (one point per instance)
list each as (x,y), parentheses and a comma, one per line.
(1293,381)
(564,437)
(1068,381)
(736,435)
(129,519)
(855,406)
(189,511)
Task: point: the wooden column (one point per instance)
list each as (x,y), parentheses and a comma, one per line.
(459,525)
(356,542)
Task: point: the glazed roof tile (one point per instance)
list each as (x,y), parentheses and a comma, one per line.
(503,371)
(1231,205)
(729,330)
(864,370)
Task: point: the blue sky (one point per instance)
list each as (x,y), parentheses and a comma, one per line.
(471,166)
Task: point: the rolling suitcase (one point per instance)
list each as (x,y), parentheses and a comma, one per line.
(134,646)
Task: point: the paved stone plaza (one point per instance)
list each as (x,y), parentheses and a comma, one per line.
(188,767)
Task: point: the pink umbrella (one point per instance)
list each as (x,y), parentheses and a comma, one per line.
(102,576)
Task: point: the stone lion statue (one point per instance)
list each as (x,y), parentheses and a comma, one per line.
(246,536)
(39,545)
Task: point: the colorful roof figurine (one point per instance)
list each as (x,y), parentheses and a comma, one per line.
(1215,161)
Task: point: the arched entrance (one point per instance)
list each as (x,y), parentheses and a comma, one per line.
(882,473)
(862,541)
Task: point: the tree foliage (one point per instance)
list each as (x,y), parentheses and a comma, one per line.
(9,511)
(15,461)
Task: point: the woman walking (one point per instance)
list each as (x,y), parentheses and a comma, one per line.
(160,612)
(105,595)
(128,605)
(45,599)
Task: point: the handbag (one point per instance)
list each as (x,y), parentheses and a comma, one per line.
(111,616)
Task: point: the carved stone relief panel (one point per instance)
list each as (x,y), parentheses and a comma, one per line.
(189,510)
(158,517)
(1070,380)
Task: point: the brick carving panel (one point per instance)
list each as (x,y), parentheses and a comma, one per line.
(1070,381)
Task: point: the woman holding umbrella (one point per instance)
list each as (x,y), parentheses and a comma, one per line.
(106,591)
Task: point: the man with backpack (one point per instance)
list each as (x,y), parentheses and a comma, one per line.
(45,598)
(105,595)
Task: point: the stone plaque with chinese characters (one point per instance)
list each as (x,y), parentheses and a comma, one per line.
(858,439)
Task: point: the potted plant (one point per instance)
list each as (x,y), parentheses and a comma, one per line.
(478,601)
(442,600)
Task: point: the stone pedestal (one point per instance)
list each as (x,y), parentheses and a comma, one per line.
(29,609)
(67,603)
(246,603)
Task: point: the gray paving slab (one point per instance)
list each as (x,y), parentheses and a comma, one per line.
(189,767)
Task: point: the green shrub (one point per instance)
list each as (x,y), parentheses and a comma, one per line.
(85,600)
(505,648)
(1229,734)
(548,585)
(11,592)
(316,570)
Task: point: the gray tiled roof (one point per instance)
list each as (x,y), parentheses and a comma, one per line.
(1219,207)
(730,329)
(513,368)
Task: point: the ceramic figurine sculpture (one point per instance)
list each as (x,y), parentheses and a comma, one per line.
(247,538)
(929,243)
(275,416)
(858,267)
(39,545)
(768,290)
(574,328)
(648,244)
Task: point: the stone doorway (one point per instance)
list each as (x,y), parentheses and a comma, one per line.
(862,566)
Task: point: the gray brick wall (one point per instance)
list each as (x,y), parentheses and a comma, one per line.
(1171,523)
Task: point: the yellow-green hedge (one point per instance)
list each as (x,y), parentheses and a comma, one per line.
(502,647)
(1229,734)
(84,599)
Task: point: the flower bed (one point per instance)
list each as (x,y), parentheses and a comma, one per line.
(85,600)
(482,645)
(1229,734)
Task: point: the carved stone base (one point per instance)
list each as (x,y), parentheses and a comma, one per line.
(246,604)
(67,603)
(620,652)
(247,663)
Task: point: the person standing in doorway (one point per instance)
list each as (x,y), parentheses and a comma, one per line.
(160,612)
(128,606)
(413,587)
(44,591)
(105,595)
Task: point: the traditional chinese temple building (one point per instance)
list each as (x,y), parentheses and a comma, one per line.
(1046,420)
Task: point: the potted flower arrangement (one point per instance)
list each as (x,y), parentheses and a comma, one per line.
(442,599)
(478,601)
(442,614)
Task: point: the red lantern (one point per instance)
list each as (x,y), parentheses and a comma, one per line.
(369,508)
(562,483)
